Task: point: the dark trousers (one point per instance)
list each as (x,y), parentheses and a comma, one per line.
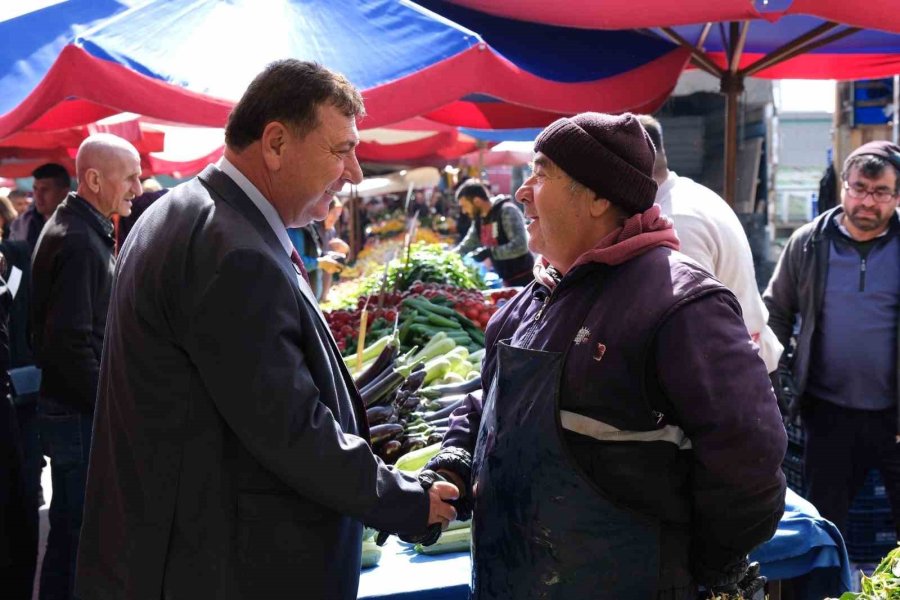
(32,456)
(842,445)
(66,439)
(18,532)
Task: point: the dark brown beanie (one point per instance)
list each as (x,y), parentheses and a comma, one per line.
(882,148)
(612,155)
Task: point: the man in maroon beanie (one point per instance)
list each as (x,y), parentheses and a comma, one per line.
(628,444)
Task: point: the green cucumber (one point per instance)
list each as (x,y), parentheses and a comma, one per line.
(456,540)
(371,554)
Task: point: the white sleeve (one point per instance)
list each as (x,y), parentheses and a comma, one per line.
(715,239)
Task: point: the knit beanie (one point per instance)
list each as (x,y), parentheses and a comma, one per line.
(610,154)
(882,148)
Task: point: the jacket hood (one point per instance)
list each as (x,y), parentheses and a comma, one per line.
(638,234)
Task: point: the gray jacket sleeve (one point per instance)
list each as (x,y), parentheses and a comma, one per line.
(781,294)
(471,241)
(513,224)
(264,389)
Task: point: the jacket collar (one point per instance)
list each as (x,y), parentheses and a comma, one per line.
(823,225)
(86,211)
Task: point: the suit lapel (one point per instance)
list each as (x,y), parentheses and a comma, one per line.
(224,187)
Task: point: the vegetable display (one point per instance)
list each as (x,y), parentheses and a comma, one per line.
(883,584)
(409,397)
(421,311)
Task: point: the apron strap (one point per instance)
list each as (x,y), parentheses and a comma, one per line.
(607,433)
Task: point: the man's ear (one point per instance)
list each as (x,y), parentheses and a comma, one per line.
(273,143)
(599,207)
(92,180)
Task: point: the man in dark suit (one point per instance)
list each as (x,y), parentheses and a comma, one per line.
(231,455)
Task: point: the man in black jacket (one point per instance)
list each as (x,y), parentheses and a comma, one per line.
(72,275)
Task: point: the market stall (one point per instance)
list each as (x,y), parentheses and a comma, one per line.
(806,554)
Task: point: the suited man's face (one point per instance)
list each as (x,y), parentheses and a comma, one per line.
(307,172)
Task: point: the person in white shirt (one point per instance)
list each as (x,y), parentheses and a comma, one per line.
(711,234)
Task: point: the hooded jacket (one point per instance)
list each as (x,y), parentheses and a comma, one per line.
(662,343)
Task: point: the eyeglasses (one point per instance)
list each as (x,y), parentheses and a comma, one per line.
(858,191)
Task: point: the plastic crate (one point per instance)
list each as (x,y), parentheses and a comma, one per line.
(795,435)
(870,534)
(873,495)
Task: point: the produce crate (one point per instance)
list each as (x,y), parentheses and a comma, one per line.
(793,469)
(872,496)
(795,435)
(870,534)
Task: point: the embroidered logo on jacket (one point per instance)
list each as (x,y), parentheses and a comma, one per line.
(599,352)
(582,336)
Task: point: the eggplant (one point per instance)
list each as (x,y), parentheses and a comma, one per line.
(390,452)
(384,361)
(415,380)
(410,403)
(466,387)
(384,432)
(380,388)
(413,443)
(379,414)
(443,402)
(443,413)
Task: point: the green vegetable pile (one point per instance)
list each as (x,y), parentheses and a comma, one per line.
(884,584)
(427,263)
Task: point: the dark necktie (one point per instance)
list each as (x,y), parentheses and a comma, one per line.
(295,258)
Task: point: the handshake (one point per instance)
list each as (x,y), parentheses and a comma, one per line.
(441,494)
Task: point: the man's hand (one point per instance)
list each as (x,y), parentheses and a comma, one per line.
(454,479)
(480,254)
(440,511)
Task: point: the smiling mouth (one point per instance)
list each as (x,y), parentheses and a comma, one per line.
(529,220)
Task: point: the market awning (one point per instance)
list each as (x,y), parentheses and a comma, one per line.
(75,62)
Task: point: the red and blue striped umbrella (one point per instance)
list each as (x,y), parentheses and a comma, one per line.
(187,61)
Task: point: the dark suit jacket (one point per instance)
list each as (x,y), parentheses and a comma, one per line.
(230,455)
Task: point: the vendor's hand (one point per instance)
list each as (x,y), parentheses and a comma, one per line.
(481,254)
(329,264)
(440,511)
(340,246)
(750,586)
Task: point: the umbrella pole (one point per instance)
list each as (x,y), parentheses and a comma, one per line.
(732,86)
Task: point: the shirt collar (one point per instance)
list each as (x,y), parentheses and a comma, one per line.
(265,207)
(839,223)
(105,223)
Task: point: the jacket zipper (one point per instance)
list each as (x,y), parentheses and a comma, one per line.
(529,335)
(862,275)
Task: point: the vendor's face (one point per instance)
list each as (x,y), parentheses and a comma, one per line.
(467,207)
(558,219)
(315,167)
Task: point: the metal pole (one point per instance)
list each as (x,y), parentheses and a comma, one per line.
(731,144)
(895,129)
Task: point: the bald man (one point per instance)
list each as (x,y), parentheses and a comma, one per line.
(72,274)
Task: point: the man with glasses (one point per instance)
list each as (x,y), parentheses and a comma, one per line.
(840,275)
